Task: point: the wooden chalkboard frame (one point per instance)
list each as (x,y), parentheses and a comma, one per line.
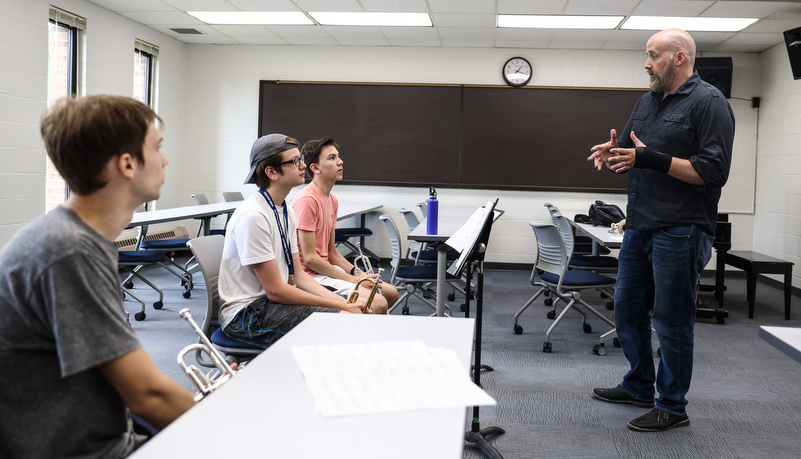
(457,136)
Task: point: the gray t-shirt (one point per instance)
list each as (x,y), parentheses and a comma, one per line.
(61,315)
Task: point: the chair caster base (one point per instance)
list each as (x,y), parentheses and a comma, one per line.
(140,316)
(518,329)
(599,349)
(156,305)
(546,347)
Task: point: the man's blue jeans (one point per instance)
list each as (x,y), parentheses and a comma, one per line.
(657,282)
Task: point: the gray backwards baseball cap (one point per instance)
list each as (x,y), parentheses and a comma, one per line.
(266,146)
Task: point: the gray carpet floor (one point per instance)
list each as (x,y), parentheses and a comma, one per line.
(744,401)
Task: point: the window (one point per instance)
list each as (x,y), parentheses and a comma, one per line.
(64,35)
(144,72)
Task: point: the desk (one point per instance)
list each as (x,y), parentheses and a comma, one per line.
(600,235)
(786,339)
(203,211)
(352,209)
(267,410)
(446,226)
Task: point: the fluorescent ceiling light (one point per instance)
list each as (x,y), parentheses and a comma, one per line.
(689,24)
(372,19)
(253,17)
(535,21)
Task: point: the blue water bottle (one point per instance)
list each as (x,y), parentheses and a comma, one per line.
(433,211)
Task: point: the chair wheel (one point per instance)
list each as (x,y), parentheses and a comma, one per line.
(187,294)
(156,305)
(451,297)
(405,311)
(610,305)
(548,302)
(587,328)
(128,285)
(551,315)
(518,329)
(616,342)
(463,307)
(599,349)
(546,347)
(140,316)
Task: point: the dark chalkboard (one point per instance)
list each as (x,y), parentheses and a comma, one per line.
(454,136)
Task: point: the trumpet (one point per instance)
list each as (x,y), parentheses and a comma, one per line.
(205,383)
(364,259)
(354,294)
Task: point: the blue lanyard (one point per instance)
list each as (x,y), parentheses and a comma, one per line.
(284,239)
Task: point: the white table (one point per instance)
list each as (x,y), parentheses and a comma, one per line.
(599,235)
(267,410)
(202,211)
(446,226)
(786,339)
(352,209)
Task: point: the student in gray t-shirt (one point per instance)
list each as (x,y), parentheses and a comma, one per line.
(73,367)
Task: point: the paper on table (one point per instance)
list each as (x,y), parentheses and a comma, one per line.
(353,379)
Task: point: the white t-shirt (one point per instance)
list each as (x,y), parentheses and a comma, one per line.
(251,237)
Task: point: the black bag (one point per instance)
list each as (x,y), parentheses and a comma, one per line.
(601,214)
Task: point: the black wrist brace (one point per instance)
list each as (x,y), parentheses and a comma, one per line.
(648,158)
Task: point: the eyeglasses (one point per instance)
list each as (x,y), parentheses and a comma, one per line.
(296,161)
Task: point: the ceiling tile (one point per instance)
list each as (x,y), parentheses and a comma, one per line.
(294,32)
(604,8)
(198,5)
(309,41)
(425,42)
(353,32)
(396,6)
(372,41)
(743,9)
(329,5)
(410,32)
(243,30)
(531,7)
(468,43)
(772,26)
(467,34)
(461,6)
(264,40)
(672,8)
(464,20)
(127,5)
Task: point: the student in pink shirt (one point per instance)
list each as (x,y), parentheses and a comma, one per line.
(316,212)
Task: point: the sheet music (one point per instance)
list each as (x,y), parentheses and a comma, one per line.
(354,379)
(465,236)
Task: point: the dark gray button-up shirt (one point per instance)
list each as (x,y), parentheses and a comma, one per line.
(694,123)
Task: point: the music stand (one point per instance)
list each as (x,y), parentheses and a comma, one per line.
(473,252)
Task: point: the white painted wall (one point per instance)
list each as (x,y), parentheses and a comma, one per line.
(777,220)
(221,120)
(108,53)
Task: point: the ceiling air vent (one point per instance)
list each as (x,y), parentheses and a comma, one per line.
(186,31)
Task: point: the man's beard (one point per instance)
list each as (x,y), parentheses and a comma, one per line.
(663,80)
